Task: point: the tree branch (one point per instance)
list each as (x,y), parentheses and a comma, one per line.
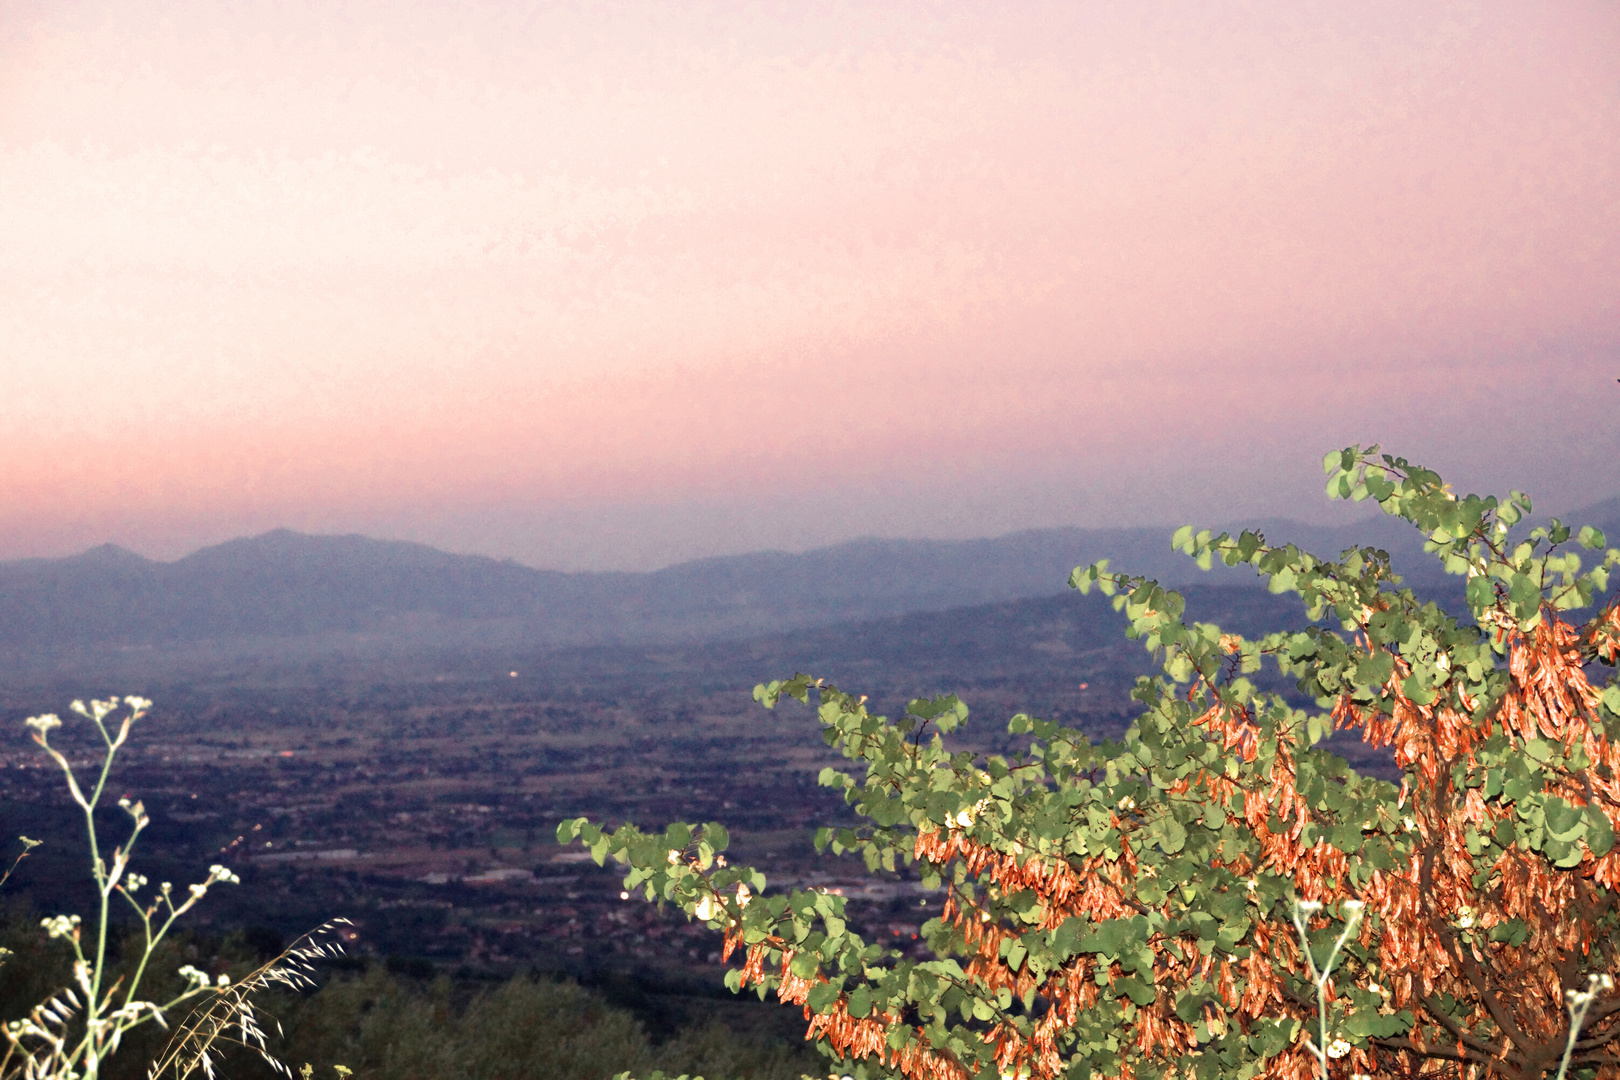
(1432,1007)
(1441,1053)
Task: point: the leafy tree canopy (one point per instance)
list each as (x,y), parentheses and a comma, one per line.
(1129,908)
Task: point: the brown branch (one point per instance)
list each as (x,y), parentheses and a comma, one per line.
(1598,1012)
(1432,1007)
(1493,1004)
(1568,967)
(1475,977)
(1597,1041)
(1441,1053)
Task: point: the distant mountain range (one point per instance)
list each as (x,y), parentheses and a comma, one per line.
(351,592)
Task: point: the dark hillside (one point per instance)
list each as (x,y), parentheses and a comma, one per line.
(284,597)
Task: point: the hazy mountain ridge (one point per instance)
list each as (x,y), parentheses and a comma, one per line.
(367,594)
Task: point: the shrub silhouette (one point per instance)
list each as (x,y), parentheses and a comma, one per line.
(384,1026)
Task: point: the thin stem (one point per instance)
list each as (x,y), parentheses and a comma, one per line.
(104,1021)
(28,846)
(1320,1048)
(1578,1002)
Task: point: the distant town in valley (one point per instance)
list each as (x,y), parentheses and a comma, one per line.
(399,772)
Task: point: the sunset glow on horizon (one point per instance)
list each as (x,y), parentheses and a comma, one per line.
(610,286)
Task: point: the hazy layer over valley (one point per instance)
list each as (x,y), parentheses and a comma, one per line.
(285,593)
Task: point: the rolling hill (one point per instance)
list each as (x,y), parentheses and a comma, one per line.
(285,590)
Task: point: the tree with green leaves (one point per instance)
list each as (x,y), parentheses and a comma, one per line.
(1217,894)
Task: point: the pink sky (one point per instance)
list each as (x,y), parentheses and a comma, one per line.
(613,285)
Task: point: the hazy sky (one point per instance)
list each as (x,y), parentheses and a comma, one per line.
(612,285)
